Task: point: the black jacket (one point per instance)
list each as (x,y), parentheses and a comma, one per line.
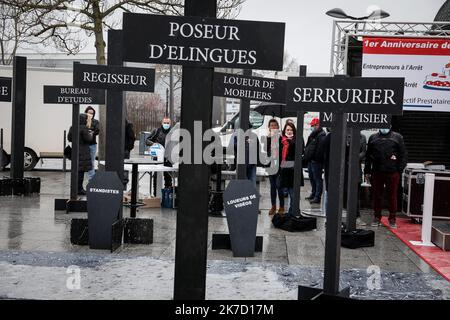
(287,168)
(314,147)
(84,154)
(385,153)
(158,135)
(130,138)
(94,130)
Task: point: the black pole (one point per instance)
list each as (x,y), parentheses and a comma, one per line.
(298,166)
(192,216)
(134,190)
(64,148)
(75,149)
(353,176)
(19,95)
(334,206)
(1,149)
(167,102)
(115,112)
(171,106)
(244,125)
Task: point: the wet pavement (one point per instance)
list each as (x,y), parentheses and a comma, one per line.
(35,254)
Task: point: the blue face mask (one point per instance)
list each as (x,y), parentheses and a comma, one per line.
(166,126)
(384,131)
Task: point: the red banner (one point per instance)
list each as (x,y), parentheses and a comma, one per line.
(406,46)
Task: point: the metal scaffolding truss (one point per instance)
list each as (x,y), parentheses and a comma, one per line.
(343,30)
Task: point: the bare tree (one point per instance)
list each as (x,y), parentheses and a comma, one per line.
(13,32)
(144,110)
(58,23)
(289,63)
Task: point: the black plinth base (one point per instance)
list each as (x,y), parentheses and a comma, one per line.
(61,204)
(308,293)
(217,214)
(223,241)
(116,234)
(6,187)
(79,234)
(20,186)
(138,231)
(216,203)
(70,205)
(358,238)
(76,206)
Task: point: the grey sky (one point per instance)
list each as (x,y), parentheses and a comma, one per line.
(308,29)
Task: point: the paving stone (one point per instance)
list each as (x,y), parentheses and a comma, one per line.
(34,238)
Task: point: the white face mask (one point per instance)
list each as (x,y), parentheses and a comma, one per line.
(289,134)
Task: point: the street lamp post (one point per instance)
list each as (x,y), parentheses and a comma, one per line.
(374,15)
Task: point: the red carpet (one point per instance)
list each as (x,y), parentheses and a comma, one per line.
(434,256)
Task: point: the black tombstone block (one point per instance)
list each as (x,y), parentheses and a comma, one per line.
(308,293)
(35,184)
(116,234)
(18,186)
(216,203)
(5,187)
(138,231)
(223,241)
(28,186)
(358,238)
(241,202)
(104,200)
(61,204)
(76,206)
(79,233)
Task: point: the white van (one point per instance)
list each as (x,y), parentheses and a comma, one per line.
(44,123)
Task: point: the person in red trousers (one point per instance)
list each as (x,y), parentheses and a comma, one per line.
(385,161)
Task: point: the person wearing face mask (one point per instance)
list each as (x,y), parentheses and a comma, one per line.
(159,135)
(287,162)
(273,150)
(314,157)
(385,161)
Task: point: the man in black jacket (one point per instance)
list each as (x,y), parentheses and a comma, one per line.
(385,161)
(314,156)
(159,134)
(130,138)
